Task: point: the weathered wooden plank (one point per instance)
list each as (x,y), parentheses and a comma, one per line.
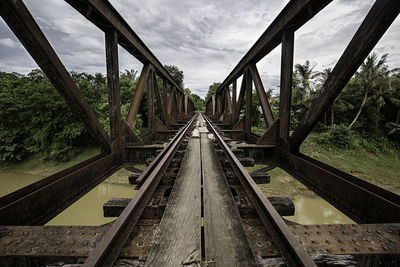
(375,24)
(225,240)
(266,108)
(179,241)
(114,99)
(21,22)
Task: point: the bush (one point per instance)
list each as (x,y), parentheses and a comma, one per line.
(339,136)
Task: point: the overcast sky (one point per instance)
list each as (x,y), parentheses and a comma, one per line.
(205,38)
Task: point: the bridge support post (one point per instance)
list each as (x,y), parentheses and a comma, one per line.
(114,99)
(249,93)
(285,95)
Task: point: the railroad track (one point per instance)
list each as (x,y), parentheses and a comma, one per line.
(219,183)
(197,204)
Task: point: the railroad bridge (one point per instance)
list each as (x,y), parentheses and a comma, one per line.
(196,204)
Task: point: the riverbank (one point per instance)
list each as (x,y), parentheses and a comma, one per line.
(35,168)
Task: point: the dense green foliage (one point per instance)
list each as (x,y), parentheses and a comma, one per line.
(363,115)
(35,119)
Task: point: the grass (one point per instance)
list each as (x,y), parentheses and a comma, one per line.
(34,165)
(37,167)
(282,184)
(382,169)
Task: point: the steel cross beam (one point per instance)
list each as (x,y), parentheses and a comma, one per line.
(21,22)
(105,16)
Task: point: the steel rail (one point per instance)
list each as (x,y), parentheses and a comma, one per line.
(108,249)
(289,247)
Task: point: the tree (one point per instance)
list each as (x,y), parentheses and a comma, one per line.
(176,74)
(212,90)
(373,76)
(199,103)
(304,75)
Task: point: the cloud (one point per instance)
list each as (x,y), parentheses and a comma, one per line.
(205,39)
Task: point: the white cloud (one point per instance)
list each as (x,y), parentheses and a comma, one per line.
(8,43)
(205,39)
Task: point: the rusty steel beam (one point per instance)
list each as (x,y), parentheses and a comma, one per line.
(285,96)
(239,101)
(360,200)
(249,96)
(295,14)
(266,108)
(39,203)
(137,96)
(234,94)
(105,16)
(157,94)
(24,26)
(114,99)
(375,24)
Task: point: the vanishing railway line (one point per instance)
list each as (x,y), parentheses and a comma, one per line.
(196,204)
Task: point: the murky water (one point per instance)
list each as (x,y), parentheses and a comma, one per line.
(315,210)
(10,182)
(88,210)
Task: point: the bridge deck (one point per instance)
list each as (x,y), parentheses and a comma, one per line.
(180,228)
(224,237)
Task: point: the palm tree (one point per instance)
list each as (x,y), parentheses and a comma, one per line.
(372,78)
(305,74)
(323,77)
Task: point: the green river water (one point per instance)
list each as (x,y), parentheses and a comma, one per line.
(89,209)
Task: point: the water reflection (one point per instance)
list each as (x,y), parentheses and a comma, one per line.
(88,210)
(10,182)
(315,210)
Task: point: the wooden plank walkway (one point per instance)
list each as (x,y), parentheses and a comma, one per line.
(225,240)
(179,242)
